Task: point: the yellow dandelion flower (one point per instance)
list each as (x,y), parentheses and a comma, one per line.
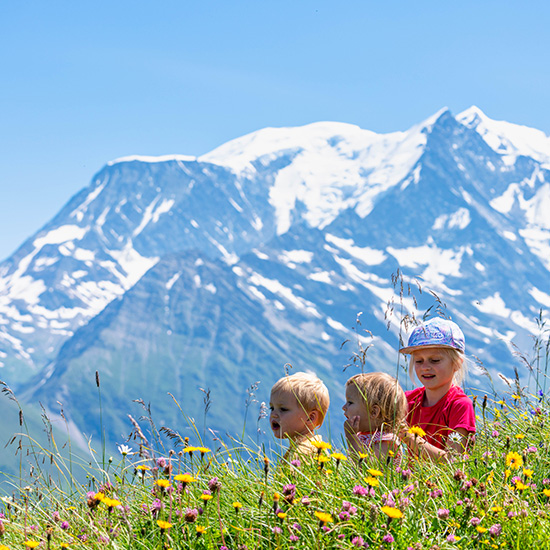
(2,547)
(206,497)
(390,452)
(200,529)
(62,545)
(374,473)
(237,505)
(203,450)
(190,450)
(514,460)
(110,502)
(164,483)
(99,496)
(322,458)
(281,515)
(520,486)
(31,543)
(515,396)
(372,481)
(339,456)
(276,497)
(164,525)
(328,472)
(142,468)
(185,478)
(507,473)
(393,513)
(321,445)
(417,430)
(481,529)
(520,436)
(323,517)
(546,492)
(527,473)
(496,509)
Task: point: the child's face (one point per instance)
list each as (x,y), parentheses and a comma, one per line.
(288,419)
(355,406)
(434,368)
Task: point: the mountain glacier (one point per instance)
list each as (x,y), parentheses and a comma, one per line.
(170,274)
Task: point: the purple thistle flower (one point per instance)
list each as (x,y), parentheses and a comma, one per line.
(475,521)
(358,541)
(64,525)
(276,530)
(214,484)
(443,513)
(388,538)
(359,491)
(296,527)
(296,463)
(495,530)
(294,538)
(191,515)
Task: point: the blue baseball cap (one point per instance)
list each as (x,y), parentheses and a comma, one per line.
(436,333)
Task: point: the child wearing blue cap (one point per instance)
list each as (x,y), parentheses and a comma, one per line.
(439,407)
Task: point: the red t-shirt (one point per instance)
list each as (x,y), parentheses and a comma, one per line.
(454,410)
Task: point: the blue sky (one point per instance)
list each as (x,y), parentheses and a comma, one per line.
(86,82)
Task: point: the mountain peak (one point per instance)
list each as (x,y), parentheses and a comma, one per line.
(508,139)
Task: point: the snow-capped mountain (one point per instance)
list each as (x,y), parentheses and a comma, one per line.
(173,273)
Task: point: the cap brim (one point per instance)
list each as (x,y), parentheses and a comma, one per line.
(408,350)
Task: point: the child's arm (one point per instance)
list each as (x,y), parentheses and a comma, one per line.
(421,448)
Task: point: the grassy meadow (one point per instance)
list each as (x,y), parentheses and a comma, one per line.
(165,491)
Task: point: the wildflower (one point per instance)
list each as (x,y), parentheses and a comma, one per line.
(495,530)
(452,538)
(388,538)
(495,433)
(417,431)
(481,529)
(31,543)
(520,436)
(391,512)
(374,473)
(203,450)
(527,473)
(372,481)
(294,538)
(546,492)
(164,525)
(124,450)
(443,513)
(191,515)
(305,501)
(338,457)
(199,529)
(281,515)
(321,445)
(360,491)
(185,478)
(111,503)
(321,459)
(64,525)
(496,509)
(358,541)
(323,517)
(214,484)
(475,521)
(436,493)
(296,463)
(237,506)
(162,483)
(406,474)
(514,460)
(206,496)
(520,486)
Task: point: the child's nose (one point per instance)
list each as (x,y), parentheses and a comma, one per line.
(344,407)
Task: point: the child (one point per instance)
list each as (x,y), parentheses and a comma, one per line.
(440,408)
(298,404)
(375,408)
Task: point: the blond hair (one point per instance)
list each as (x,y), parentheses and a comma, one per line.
(383,390)
(309,391)
(457,359)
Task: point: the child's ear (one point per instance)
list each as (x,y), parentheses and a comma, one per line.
(314,417)
(375,411)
